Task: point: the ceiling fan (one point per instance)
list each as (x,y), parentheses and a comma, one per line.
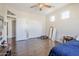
(41,6)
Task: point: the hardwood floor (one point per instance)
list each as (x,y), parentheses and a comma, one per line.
(32,47)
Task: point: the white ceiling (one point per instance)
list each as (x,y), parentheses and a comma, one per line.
(26,7)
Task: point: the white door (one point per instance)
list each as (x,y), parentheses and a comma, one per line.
(11,28)
(34,28)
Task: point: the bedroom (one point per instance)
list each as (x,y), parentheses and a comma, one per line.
(34,23)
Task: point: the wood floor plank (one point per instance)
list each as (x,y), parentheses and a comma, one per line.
(33,47)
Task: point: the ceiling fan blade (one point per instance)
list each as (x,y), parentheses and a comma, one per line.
(33,6)
(42,6)
(48,6)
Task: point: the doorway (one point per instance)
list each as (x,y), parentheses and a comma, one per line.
(11,34)
(11,28)
(14,28)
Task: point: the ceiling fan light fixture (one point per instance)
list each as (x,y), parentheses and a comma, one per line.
(42,6)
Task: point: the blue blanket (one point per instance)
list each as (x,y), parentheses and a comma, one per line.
(70,48)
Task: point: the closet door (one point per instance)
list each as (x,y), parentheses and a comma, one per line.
(34,28)
(21,29)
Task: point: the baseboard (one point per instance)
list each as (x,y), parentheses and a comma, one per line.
(29,39)
(12,38)
(19,40)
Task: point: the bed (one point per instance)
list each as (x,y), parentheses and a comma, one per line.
(70,48)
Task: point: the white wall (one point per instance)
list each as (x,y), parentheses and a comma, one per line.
(66,26)
(29,25)
(3,13)
(26,23)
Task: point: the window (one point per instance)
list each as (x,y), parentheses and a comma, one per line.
(65,15)
(52,18)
